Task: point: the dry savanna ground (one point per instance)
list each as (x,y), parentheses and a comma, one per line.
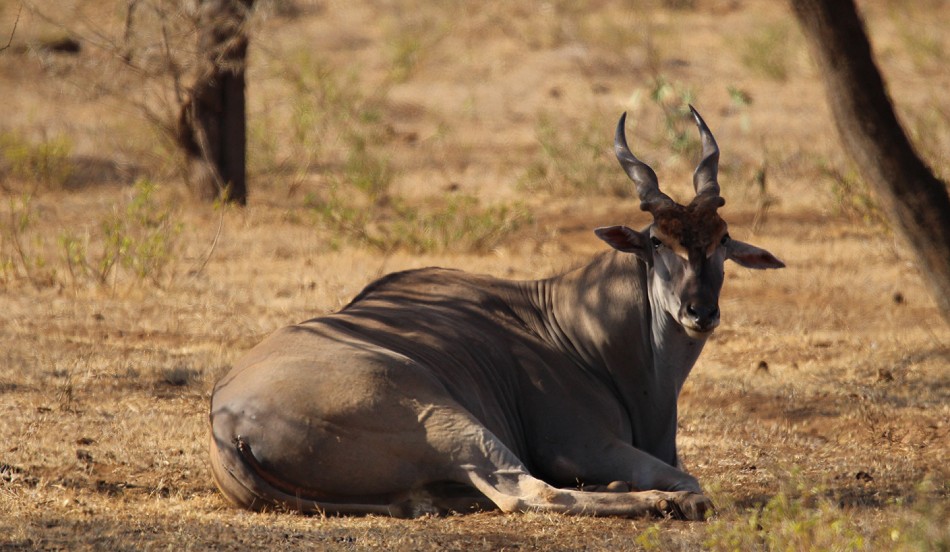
(476,135)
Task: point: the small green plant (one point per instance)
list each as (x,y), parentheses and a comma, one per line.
(332,125)
(323,105)
(341,215)
(674,99)
(21,248)
(411,36)
(44,164)
(407,49)
(767,51)
(74,255)
(739,97)
(804,515)
(853,198)
(573,162)
(800,516)
(458,224)
(740,101)
(367,170)
(651,538)
(461,224)
(341,127)
(925,525)
(140,239)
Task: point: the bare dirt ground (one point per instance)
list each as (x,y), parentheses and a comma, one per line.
(818,417)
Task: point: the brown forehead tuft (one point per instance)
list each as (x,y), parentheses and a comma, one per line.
(695,226)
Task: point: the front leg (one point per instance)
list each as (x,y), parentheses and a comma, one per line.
(614,462)
(649,472)
(481,460)
(624,469)
(504,480)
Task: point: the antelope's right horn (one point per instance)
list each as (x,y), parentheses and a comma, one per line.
(648,187)
(706,177)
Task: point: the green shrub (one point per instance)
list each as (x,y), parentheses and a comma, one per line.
(458,224)
(46,163)
(799,517)
(140,239)
(674,99)
(21,247)
(576,161)
(853,198)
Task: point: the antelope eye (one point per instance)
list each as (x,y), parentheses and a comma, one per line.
(656,243)
(724,239)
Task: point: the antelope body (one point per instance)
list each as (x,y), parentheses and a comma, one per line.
(439,390)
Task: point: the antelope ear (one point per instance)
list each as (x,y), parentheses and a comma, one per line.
(624,239)
(751,256)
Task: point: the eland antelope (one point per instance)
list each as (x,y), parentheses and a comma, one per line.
(438,390)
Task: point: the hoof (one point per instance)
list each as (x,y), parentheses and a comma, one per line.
(619,487)
(686,506)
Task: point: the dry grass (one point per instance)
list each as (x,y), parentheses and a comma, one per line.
(819,415)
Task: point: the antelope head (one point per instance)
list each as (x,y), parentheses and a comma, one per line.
(686,246)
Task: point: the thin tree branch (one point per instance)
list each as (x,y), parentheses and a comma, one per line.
(170,64)
(127,36)
(214,244)
(13,32)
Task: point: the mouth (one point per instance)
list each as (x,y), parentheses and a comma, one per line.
(697,332)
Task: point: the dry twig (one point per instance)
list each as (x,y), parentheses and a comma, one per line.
(13,32)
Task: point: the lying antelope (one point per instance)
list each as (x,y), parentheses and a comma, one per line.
(439,390)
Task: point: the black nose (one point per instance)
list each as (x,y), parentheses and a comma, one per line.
(705,316)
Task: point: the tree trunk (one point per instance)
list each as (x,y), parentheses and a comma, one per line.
(915,200)
(212,124)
